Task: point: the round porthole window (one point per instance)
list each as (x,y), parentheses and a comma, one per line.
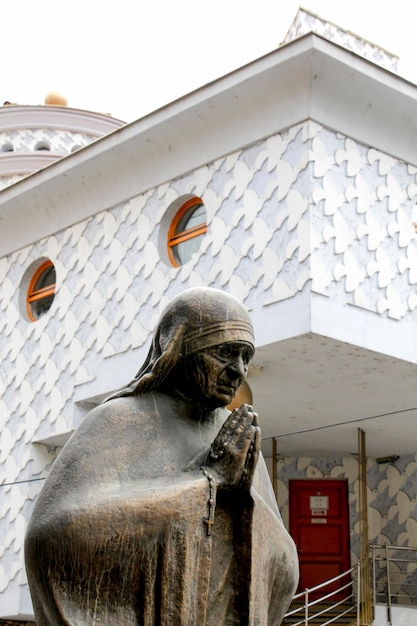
(41,291)
(186,231)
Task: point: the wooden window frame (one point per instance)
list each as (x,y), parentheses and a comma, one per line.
(36,295)
(174,239)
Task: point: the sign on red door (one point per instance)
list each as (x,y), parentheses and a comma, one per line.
(319,525)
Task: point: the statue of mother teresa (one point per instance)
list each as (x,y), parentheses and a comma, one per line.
(159,510)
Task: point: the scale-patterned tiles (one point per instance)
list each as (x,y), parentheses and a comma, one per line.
(305,209)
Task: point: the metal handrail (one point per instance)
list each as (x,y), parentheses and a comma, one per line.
(392,590)
(326,582)
(304,610)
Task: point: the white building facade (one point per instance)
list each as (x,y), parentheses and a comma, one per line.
(306,164)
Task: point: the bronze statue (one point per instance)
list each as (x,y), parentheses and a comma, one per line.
(159,510)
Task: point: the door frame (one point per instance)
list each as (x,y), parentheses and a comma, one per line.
(319,515)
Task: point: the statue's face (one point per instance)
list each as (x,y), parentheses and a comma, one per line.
(219,371)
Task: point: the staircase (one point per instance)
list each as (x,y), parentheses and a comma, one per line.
(320,614)
(318,607)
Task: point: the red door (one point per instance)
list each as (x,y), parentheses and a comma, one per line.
(319,525)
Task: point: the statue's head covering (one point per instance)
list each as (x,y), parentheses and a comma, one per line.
(196,319)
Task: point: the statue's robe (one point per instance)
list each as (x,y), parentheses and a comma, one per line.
(118,538)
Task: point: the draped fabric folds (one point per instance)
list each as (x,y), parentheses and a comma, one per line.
(118,536)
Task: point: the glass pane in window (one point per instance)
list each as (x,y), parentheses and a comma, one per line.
(41,291)
(47,278)
(187,229)
(193,217)
(184,251)
(41,306)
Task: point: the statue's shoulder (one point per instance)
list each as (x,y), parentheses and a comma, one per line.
(124,404)
(124,409)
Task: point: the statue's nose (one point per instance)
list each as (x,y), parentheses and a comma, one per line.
(236,368)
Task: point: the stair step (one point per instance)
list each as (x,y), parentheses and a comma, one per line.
(330,613)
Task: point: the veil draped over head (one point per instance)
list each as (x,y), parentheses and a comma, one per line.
(196,319)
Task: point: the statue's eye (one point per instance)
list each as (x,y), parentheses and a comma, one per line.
(247,354)
(225,352)
(232,351)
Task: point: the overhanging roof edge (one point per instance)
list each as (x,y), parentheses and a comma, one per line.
(288,85)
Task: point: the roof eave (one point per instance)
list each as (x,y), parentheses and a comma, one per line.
(309,78)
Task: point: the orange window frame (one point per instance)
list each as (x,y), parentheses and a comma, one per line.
(174,239)
(33,295)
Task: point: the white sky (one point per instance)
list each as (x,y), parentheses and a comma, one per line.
(129,57)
